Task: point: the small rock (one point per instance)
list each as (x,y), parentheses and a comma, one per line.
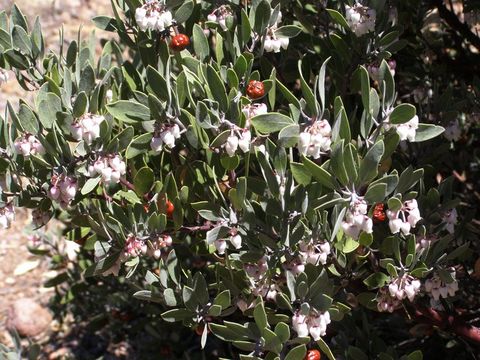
(9,281)
(28,318)
(25,267)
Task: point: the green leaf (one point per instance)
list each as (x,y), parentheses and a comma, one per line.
(200,43)
(129,112)
(369,164)
(106,23)
(217,88)
(297,353)
(223,299)
(312,103)
(376,280)
(261,16)
(338,18)
(176,315)
(21,41)
(325,349)
(90,185)
(319,173)
(270,122)
(158,84)
(139,145)
(416,355)
(288,136)
(260,315)
(288,31)
(81,104)
(376,193)
(402,114)
(300,173)
(48,109)
(28,120)
(427,131)
(184,12)
(143,180)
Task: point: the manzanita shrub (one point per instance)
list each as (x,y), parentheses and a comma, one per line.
(247,167)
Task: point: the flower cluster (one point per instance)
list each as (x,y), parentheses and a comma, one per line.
(356,219)
(400,288)
(7,215)
(315,139)
(87,127)
(405,218)
(361,19)
(28,145)
(155,247)
(235,239)
(165,136)
(40,217)
(252,110)
(219,15)
(437,288)
(63,189)
(259,282)
(110,167)
(314,324)
(153,16)
(238,139)
(273,42)
(423,242)
(3,76)
(313,252)
(295,265)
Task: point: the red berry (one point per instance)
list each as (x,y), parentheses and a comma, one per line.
(379,213)
(170,208)
(179,42)
(313,355)
(255,89)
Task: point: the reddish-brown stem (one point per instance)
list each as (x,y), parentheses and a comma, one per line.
(448,322)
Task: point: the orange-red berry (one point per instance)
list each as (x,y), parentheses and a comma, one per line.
(169,208)
(313,355)
(379,213)
(179,42)
(255,89)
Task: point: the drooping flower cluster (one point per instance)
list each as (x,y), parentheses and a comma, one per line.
(252,110)
(153,16)
(437,288)
(28,145)
(314,252)
(235,239)
(238,139)
(165,136)
(315,139)
(361,19)
(63,189)
(87,127)
(110,167)
(7,215)
(3,76)
(400,288)
(404,219)
(155,247)
(260,284)
(133,247)
(273,42)
(356,219)
(314,324)
(40,217)
(219,15)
